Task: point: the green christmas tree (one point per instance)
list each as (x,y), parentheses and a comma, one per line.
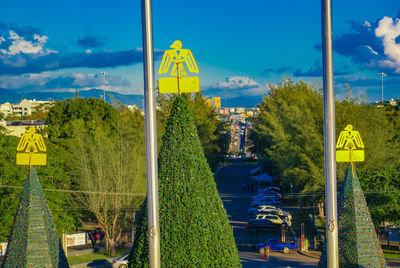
(358,243)
(34,241)
(194,226)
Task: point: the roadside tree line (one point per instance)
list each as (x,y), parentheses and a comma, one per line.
(288,135)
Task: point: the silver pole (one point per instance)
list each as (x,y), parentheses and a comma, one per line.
(103,74)
(382,75)
(382,89)
(151,136)
(329,129)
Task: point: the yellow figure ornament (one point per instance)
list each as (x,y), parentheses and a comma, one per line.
(350,147)
(178,58)
(29,147)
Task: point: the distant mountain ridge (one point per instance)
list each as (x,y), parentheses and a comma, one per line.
(15,97)
(244,101)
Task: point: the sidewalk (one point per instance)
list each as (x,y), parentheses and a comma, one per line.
(105,263)
(311,253)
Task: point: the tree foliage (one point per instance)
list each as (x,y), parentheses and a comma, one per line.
(288,135)
(382,190)
(108,159)
(194,228)
(110,162)
(62,113)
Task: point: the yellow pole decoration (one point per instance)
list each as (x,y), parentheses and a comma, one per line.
(349,147)
(29,149)
(179,82)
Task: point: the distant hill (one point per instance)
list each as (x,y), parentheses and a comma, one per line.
(245,101)
(14,97)
(8,96)
(138,100)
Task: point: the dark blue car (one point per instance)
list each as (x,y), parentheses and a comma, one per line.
(275,244)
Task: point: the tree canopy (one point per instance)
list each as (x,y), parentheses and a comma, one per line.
(288,135)
(107,162)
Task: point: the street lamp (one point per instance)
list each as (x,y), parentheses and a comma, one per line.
(382,75)
(103,75)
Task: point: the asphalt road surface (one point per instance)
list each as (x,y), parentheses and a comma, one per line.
(236,201)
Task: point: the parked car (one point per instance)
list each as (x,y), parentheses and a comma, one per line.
(265,201)
(261,207)
(279,212)
(273,218)
(121,262)
(261,224)
(285,218)
(275,244)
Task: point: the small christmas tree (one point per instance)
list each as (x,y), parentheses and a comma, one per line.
(34,240)
(358,243)
(194,226)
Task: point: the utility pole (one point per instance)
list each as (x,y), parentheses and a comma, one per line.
(332,245)
(151,135)
(103,75)
(382,75)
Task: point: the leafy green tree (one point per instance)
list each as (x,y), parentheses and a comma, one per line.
(11,175)
(382,190)
(113,162)
(106,144)
(62,113)
(288,135)
(194,227)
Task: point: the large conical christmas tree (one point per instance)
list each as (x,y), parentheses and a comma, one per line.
(34,241)
(358,243)
(194,226)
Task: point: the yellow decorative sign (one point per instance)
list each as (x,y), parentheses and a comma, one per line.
(350,147)
(179,82)
(29,147)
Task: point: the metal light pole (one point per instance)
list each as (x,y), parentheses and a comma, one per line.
(103,75)
(329,131)
(382,75)
(151,136)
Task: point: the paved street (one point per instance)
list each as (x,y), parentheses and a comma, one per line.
(230,180)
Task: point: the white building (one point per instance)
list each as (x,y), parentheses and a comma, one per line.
(240,110)
(25,107)
(6,108)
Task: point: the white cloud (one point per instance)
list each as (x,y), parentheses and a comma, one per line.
(2,39)
(389,30)
(371,50)
(236,86)
(41,39)
(236,82)
(20,45)
(367,23)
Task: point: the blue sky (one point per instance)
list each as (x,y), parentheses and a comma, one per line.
(240,46)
